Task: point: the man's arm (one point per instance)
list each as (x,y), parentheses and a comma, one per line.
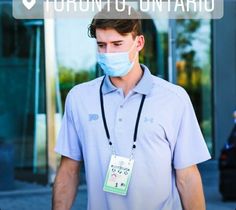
(66,183)
(190,188)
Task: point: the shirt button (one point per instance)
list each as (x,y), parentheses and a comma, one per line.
(121,106)
(120,119)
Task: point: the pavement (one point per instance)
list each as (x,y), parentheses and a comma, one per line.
(28,196)
(210,180)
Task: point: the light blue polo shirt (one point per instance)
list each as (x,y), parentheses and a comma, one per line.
(168,138)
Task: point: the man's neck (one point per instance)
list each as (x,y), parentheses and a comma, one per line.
(129,81)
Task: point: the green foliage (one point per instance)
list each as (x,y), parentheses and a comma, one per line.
(69,77)
(186,31)
(193,76)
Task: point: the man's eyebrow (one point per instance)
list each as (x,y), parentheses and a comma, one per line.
(117,41)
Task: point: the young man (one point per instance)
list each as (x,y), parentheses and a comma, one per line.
(136,133)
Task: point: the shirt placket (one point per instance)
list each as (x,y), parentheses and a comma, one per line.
(121,123)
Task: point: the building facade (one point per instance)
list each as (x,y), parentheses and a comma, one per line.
(40,61)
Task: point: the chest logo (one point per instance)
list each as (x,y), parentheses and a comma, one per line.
(93,117)
(148,120)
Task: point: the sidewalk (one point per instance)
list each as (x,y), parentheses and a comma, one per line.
(210,177)
(36,197)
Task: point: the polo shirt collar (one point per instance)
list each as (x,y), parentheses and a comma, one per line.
(107,86)
(144,86)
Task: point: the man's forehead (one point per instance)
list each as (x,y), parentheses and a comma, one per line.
(110,35)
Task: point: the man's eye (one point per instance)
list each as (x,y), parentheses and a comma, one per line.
(100,45)
(117,44)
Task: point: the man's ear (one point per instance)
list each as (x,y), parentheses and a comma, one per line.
(140,42)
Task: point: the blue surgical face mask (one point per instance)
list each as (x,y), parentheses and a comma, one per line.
(116,64)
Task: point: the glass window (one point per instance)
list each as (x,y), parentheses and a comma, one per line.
(22,93)
(155,52)
(75,62)
(194,71)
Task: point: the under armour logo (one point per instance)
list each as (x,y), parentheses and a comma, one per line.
(148,119)
(93,117)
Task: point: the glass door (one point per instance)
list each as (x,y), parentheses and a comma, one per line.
(194,69)
(155,53)
(22,93)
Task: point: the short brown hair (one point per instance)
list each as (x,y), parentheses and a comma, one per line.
(104,20)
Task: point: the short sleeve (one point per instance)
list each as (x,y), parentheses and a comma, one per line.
(190,147)
(68,142)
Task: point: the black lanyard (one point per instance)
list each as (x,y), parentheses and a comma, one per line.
(104,117)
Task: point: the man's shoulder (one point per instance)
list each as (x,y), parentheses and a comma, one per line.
(86,87)
(169,89)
